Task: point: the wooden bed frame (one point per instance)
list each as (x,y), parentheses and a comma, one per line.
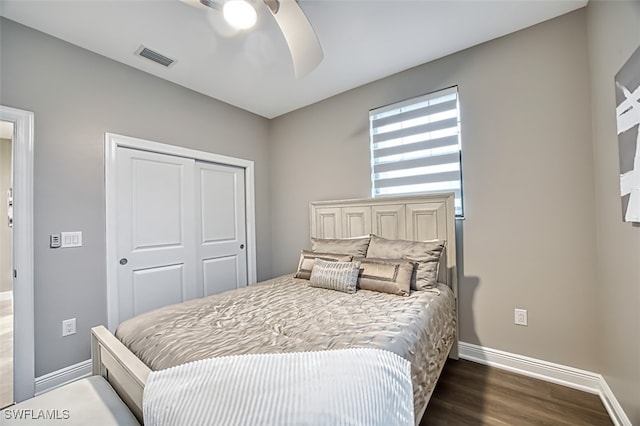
(417,218)
(123,370)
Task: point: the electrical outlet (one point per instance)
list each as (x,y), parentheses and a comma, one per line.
(68,327)
(521,316)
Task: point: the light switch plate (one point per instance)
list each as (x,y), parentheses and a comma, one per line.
(71,239)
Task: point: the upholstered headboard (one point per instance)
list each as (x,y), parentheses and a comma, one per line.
(417,218)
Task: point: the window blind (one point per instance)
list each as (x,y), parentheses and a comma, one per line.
(415,146)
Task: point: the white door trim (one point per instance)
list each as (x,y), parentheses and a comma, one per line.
(23,319)
(112,142)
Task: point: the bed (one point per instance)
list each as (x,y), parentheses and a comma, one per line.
(288,314)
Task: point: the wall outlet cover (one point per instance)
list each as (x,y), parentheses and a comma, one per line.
(521,317)
(68,327)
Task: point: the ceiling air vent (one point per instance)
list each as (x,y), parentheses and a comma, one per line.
(156,57)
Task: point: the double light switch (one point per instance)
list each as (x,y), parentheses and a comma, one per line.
(66,240)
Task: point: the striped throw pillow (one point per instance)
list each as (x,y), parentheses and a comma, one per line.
(308,258)
(341,276)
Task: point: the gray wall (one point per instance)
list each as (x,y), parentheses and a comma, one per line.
(77,96)
(528,240)
(614,34)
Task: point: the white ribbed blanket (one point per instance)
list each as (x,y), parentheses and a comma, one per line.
(338,387)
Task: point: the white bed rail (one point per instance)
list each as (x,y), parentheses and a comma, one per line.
(122,369)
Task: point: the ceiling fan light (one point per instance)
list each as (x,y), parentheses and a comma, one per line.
(239,14)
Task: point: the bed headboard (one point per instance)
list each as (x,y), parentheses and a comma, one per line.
(417,218)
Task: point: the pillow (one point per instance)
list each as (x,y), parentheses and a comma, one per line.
(425,253)
(386,275)
(307,260)
(353,246)
(341,276)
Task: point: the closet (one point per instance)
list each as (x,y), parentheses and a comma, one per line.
(181,229)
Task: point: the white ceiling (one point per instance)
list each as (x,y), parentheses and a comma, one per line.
(363,41)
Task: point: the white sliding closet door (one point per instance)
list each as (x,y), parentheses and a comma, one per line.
(181,229)
(221,233)
(156,239)
(180,224)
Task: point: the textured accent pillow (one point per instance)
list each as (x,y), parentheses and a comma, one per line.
(353,246)
(386,275)
(341,276)
(425,253)
(307,260)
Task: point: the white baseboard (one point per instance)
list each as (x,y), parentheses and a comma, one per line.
(62,377)
(550,372)
(612,405)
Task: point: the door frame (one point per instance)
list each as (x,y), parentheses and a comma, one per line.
(23,264)
(112,143)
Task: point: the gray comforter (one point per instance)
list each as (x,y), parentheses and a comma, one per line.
(285,314)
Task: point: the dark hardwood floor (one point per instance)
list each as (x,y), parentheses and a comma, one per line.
(474,394)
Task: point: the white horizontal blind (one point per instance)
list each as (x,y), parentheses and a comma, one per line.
(415,146)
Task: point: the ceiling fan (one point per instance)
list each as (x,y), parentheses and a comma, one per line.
(303,43)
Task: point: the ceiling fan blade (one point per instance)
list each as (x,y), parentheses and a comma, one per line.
(204,5)
(304,46)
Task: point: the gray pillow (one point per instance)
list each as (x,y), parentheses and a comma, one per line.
(386,275)
(425,253)
(353,246)
(308,258)
(341,276)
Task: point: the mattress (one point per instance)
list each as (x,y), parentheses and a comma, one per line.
(286,314)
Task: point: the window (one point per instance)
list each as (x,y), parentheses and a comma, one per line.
(415,146)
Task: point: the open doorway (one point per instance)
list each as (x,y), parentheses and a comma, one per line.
(21,270)
(6,263)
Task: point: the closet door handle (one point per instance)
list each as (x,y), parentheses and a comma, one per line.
(241,246)
(123,261)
